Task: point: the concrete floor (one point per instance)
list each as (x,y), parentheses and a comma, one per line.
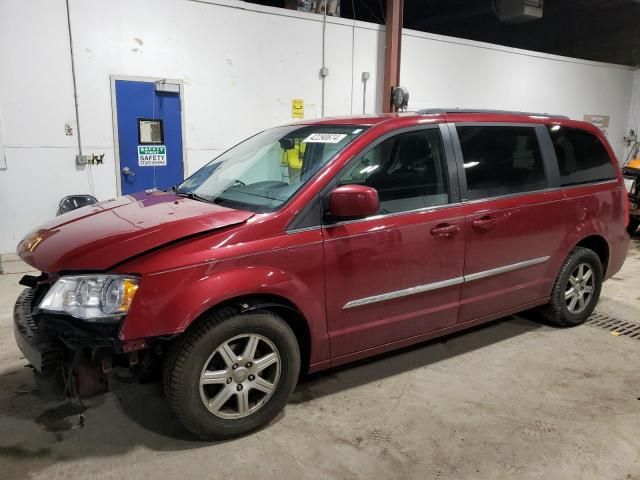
(513,399)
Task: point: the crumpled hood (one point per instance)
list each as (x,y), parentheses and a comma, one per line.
(100,236)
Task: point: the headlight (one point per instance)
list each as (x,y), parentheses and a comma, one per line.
(91,297)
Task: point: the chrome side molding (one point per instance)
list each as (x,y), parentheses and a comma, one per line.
(444,283)
(507,268)
(403,293)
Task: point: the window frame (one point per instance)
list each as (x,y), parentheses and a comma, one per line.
(312,214)
(547,153)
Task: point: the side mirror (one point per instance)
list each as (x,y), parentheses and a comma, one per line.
(353,201)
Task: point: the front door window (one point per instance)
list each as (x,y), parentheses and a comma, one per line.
(408,171)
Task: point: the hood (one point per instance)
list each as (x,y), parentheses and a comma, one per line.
(102,235)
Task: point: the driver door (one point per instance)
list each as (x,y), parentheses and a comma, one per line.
(396,276)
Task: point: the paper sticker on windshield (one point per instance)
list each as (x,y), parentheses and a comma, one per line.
(324,137)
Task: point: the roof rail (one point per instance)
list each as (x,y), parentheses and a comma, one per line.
(441,111)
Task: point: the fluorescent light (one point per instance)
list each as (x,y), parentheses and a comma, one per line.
(368,169)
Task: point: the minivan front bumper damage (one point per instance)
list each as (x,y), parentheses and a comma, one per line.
(83,351)
(39,347)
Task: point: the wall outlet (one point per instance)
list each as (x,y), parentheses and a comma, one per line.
(82,159)
(90,159)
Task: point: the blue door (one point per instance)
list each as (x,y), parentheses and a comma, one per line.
(149,136)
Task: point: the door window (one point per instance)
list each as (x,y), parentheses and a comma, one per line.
(408,171)
(501,160)
(581,156)
(150,132)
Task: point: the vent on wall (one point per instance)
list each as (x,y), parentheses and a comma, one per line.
(518,11)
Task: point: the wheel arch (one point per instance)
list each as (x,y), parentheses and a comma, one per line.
(599,245)
(277,304)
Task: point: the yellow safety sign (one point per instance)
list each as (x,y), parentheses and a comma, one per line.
(297,108)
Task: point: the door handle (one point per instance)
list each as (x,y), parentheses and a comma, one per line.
(126,171)
(445,230)
(484,223)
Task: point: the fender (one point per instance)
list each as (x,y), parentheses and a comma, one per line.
(175,299)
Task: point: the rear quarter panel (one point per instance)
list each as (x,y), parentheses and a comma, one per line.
(597,209)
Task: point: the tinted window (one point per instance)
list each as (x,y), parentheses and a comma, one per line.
(408,170)
(581,156)
(501,160)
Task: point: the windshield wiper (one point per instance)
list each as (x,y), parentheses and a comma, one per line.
(195,196)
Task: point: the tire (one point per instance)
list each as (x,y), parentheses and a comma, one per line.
(558,311)
(255,389)
(634,223)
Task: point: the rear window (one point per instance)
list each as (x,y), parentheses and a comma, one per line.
(501,160)
(581,156)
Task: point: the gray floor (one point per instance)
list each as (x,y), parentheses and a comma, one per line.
(513,399)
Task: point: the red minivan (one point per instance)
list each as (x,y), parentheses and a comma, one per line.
(314,244)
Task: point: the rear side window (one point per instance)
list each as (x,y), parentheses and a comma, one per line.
(581,156)
(501,160)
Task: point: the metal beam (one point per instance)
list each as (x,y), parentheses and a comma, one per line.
(392,51)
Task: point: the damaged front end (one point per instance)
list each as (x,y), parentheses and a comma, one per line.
(86,353)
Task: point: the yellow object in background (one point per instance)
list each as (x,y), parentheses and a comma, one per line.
(297,108)
(295,155)
(634,164)
(292,160)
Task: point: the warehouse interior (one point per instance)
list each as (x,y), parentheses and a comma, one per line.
(512,398)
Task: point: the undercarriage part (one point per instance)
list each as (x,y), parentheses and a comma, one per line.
(88,380)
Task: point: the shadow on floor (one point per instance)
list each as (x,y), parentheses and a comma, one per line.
(400,361)
(41,428)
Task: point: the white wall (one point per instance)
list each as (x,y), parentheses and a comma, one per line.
(634,111)
(36,100)
(241,65)
(448,72)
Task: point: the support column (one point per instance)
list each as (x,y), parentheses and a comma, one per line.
(392,51)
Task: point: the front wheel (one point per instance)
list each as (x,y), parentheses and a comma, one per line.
(577,289)
(232,373)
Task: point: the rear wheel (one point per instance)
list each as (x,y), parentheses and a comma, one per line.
(577,289)
(232,373)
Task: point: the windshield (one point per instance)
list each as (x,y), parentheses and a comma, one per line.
(266,170)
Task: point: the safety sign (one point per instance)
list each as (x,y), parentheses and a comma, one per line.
(297,108)
(152,155)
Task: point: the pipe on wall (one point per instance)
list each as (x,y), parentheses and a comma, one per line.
(75,101)
(323,70)
(73,76)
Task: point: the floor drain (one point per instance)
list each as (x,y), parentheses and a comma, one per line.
(615,326)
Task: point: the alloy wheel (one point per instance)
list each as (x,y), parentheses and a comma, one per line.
(579,289)
(240,376)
